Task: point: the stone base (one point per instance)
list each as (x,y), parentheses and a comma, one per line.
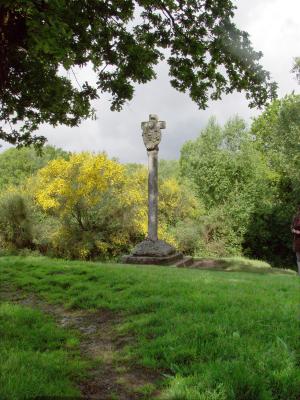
(153,252)
(153,248)
(152,260)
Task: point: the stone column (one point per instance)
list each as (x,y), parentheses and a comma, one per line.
(153,250)
(152,194)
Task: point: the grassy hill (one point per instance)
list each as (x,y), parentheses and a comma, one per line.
(200,335)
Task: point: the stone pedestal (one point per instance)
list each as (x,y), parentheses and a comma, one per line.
(147,260)
(153,252)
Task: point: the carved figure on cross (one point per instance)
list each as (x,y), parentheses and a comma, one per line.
(152,132)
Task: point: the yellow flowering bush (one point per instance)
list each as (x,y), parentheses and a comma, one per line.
(63,184)
(99,206)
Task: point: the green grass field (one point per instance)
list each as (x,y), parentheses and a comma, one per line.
(211,335)
(36,357)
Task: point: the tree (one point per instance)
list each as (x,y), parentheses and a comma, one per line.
(230,177)
(276,132)
(168,169)
(16,165)
(221,162)
(123,41)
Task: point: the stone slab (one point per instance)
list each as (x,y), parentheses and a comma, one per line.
(148,260)
(185,262)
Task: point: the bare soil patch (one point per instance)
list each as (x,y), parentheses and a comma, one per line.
(110,379)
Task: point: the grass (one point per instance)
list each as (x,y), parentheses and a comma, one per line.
(213,335)
(36,357)
(243,264)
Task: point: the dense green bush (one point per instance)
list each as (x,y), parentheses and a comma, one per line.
(108,231)
(15,221)
(187,234)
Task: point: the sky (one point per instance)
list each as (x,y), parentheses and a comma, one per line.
(274,29)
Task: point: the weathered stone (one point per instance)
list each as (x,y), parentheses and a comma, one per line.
(151,132)
(147,260)
(152,194)
(153,248)
(152,137)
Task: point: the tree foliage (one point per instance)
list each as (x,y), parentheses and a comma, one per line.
(222,162)
(16,165)
(230,177)
(123,41)
(277,132)
(248,181)
(277,136)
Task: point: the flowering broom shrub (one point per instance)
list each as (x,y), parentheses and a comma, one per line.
(100,209)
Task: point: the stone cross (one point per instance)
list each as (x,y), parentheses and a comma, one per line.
(152,137)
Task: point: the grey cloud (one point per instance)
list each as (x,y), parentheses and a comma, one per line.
(274,29)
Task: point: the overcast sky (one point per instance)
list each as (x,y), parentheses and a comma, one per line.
(274,29)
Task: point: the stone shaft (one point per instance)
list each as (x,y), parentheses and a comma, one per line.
(152,194)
